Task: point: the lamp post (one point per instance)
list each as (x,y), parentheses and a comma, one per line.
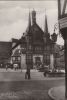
(62,18)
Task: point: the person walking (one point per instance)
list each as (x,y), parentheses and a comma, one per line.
(27,74)
(6,66)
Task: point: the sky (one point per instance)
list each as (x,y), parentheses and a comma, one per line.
(14,17)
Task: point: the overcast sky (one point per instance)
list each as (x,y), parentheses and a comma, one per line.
(14,17)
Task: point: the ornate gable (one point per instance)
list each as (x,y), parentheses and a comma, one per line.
(37,34)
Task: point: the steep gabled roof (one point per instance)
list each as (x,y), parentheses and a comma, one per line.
(16,44)
(39,28)
(37,34)
(14,40)
(20,41)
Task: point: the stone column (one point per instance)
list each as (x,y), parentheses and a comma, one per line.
(51,61)
(23,61)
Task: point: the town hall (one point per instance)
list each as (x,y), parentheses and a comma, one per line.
(35,47)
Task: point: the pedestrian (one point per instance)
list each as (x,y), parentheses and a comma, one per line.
(6,66)
(27,74)
(45,73)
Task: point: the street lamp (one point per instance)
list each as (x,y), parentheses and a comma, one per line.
(62,17)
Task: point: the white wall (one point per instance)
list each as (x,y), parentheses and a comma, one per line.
(23,61)
(51,61)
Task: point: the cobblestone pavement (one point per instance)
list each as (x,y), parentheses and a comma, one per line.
(57,93)
(18,75)
(13,86)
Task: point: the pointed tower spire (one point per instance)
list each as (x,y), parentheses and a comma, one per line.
(29,23)
(46,26)
(33,17)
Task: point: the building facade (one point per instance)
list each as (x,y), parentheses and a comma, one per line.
(5,53)
(35,46)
